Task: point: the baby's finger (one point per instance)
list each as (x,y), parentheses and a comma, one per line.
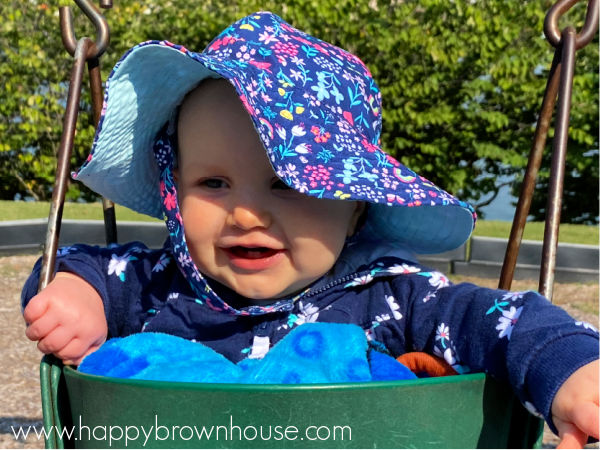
(585,417)
(70,362)
(41,327)
(576,440)
(570,435)
(36,307)
(56,340)
(77,361)
(73,352)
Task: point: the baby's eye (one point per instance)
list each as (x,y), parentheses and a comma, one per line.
(278,184)
(213,183)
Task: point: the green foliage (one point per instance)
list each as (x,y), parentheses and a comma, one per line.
(462,82)
(34,71)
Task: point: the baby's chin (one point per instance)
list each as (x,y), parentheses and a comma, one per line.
(262,288)
(263,292)
(267,294)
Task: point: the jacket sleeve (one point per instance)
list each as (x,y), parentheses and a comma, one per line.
(119,273)
(518,337)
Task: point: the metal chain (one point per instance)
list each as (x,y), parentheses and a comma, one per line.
(560,83)
(83,50)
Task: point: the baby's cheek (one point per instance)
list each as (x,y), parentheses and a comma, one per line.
(316,256)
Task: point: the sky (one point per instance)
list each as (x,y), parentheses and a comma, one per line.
(501,208)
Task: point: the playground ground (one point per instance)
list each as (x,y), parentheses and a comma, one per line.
(19,358)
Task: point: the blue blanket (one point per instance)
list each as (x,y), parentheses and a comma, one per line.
(310,353)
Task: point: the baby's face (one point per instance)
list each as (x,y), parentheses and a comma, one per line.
(243,226)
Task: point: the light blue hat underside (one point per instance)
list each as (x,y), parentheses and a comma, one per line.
(128,174)
(423,229)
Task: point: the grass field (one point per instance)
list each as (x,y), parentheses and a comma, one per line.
(82,211)
(578,234)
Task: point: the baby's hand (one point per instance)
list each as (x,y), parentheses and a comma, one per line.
(575,407)
(66,318)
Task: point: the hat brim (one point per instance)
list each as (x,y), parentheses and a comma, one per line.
(141,94)
(152,79)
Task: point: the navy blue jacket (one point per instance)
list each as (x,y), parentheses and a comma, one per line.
(519,337)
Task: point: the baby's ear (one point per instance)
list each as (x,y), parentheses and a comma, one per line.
(358,218)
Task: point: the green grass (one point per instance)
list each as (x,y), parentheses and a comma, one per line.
(578,234)
(81,211)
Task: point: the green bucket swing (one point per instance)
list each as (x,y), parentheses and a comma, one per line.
(463,411)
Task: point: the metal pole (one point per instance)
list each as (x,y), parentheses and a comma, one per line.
(62,168)
(557,171)
(108,207)
(533,166)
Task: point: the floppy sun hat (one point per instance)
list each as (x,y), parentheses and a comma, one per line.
(315,107)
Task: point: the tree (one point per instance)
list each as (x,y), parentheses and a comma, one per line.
(580,194)
(34,71)
(461,81)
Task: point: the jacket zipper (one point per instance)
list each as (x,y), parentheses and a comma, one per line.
(332,284)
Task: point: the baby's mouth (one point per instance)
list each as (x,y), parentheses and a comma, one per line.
(251,252)
(253,259)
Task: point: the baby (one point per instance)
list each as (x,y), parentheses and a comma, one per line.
(262,154)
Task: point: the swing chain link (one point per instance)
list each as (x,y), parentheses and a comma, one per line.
(583,38)
(102,31)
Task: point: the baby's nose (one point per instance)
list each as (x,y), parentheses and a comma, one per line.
(246,217)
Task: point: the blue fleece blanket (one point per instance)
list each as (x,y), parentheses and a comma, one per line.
(310,353)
